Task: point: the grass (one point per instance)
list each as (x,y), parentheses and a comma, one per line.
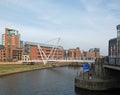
(11,67)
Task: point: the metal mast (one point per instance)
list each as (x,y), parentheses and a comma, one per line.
(52,52)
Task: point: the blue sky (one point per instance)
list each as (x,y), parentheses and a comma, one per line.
(79,23)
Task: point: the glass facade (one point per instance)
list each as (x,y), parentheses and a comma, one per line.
(113,48)
(13,32)
(118,44)
(27,49)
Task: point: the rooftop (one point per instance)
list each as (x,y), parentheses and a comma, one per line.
(2,47)
(42,45)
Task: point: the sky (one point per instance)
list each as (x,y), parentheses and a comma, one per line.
(79,23)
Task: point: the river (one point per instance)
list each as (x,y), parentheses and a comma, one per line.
(52,81)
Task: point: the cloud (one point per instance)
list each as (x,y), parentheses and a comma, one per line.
(91,5)
(89,23)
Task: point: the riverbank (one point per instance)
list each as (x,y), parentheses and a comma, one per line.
(12,69)
(51,81)
(96,79)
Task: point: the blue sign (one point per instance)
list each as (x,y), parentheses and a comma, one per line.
(86,66)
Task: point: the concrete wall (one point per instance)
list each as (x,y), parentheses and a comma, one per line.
(97,85)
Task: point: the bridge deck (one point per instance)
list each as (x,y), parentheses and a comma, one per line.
(89,61)
(114,67)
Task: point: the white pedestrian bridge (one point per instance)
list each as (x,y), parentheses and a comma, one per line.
(47,61)
(50,58)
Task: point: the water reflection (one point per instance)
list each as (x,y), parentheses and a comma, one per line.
(74,67)
(53,81)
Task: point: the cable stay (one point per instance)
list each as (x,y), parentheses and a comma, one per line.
(51,54)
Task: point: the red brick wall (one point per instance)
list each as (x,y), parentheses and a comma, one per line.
(2,56)
(35,54)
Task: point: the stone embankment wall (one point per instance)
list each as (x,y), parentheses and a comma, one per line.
(96,85)
(97,78)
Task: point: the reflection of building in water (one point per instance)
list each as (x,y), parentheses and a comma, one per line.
(74,67)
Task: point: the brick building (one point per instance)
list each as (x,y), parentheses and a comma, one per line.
(93,53)
(11,41)
(32,50)
(12,49)
(2,53)
(71,53)
(96,51)
(17,54)
(79,54)
(75,53)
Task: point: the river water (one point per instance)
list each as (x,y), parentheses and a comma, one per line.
(52,81)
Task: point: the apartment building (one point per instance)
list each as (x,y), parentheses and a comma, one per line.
(32,49)
(93,53)
(11,42)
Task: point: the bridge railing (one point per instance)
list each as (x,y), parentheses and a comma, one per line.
(60,60)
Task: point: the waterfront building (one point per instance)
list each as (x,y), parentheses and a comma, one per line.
(25,57)
(71,54)
(112,51)
(66,54)
(11,41)
(118,44)
(2,53)
(94,53)
(19,50)
(75,54)
(32,49)
(90,55)
(112,48)
(17,54)
(78,53)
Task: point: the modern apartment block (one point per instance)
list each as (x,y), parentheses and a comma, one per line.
(12,49)
(11,41)
(114,48)
(74,53)
(118,44)
(32,49)
(93,53)
(71,54)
